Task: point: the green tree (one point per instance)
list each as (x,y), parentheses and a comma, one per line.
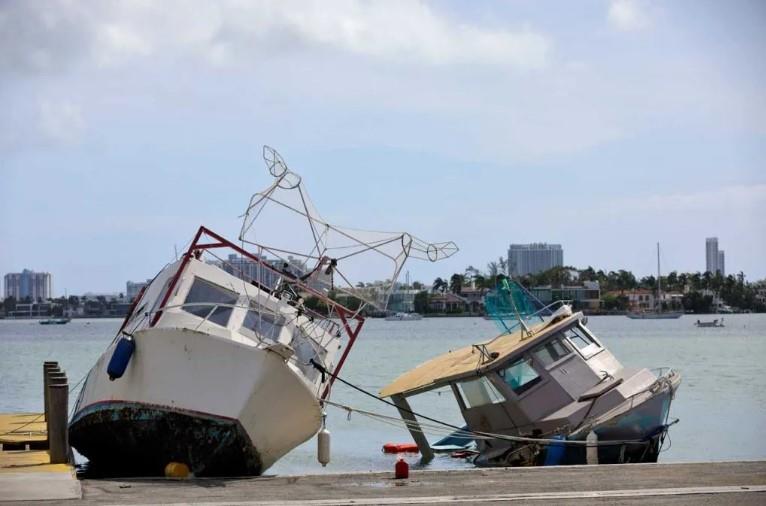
(439,285)
(456,283)
(421,302)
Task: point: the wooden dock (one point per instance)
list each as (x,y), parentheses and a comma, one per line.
(31,468)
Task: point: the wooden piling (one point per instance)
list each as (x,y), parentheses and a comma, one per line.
(58,440)
(55,375)
(48,367)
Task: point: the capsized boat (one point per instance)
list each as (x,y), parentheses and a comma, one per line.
(212,366)
(535,393)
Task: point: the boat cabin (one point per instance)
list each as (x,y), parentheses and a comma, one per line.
(267,312)
(538,382)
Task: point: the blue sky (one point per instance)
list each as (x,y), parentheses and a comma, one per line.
(605,126)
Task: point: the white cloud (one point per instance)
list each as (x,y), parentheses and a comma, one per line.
(230,31)
(61,122)
(628,15)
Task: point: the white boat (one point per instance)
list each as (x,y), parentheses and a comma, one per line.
(546,391)
(399,317)
(212,367)
(715,323)
(658,313)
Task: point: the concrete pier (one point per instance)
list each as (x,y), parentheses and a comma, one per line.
(741,483)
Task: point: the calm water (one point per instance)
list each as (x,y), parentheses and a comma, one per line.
(721,402)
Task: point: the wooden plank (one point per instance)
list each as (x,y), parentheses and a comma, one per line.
(426,453)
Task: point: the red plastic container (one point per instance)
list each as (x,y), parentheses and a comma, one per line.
(401,469)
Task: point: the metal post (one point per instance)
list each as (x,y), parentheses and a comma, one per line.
(591,450)
(48,367)
(427,454)
(58,440)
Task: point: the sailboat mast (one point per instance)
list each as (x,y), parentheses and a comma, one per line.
(659,283)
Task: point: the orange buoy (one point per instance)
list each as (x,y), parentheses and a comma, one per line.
(401,469)
(400,448)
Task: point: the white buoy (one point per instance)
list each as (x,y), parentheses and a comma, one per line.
(323,443)
(591,452)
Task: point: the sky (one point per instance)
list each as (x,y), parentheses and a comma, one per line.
(605,126)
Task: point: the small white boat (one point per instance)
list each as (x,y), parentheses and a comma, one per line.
(217,364)
(714,323)
(399,317)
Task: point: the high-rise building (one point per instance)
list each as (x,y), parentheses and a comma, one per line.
(35,285)
(721,267)
(711,254)
(714,258)
(532,258)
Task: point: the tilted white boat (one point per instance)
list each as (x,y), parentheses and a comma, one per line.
(544,393)
(212,367)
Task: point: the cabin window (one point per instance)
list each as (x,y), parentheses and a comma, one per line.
(582,340)
(552,351)
(520,375)
(479,392)
(204,296)
(265,325)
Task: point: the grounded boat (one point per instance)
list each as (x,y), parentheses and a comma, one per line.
(213,365)
(546,391)
(398,317)
(658,313)
(715,323)
(55,321)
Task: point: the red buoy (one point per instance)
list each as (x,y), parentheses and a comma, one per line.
(400,448)
(401,469)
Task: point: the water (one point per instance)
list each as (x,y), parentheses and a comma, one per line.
(721,402)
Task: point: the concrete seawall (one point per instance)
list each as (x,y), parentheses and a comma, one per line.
(697,484)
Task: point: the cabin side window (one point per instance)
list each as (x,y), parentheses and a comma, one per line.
(203,297)
(582,341)
(552,351)
(478,392)
(265,325)
(520,375)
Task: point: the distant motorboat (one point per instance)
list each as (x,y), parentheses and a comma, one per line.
(55,321)
(398,317)
(714,323)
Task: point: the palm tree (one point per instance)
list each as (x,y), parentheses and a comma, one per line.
(439,285)
(456,283)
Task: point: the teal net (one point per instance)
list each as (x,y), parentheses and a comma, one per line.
(509,303)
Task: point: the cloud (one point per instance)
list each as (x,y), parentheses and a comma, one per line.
(628,16)
(61,122)
(64,33)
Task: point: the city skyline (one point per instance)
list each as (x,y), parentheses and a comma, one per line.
(608,125)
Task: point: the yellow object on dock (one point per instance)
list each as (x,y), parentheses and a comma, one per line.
(177,470)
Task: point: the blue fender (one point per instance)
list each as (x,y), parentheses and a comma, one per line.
(121,357)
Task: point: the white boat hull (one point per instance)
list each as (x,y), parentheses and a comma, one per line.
(220,406)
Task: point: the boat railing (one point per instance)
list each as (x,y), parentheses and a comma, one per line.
(537,314)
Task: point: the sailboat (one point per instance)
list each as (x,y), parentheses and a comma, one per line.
(658,313)
(221,363)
